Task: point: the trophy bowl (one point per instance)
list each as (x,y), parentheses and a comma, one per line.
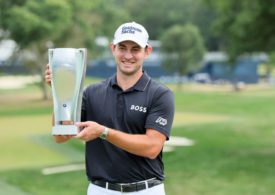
(68,66)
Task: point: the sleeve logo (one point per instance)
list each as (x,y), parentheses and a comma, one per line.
(161,121)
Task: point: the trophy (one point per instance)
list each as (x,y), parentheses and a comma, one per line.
(68,66)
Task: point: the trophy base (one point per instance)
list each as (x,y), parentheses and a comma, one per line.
(65,130)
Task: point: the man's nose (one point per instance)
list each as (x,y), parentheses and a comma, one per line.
(128,54)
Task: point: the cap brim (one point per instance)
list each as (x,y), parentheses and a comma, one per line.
(140,43)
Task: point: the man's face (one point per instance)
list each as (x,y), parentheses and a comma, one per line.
(129,57)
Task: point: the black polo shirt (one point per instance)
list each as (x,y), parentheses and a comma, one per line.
(147,104)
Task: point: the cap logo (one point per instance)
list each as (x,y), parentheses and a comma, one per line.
(130,29)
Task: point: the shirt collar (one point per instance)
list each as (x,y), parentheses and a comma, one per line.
(140,85)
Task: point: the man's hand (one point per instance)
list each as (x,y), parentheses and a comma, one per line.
(62,138)
(90,130)
(48,75)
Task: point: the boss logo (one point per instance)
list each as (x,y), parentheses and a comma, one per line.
(161,121)
(139,108)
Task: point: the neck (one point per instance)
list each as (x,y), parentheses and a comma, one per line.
(127,81)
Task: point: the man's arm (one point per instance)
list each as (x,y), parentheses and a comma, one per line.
(147,145)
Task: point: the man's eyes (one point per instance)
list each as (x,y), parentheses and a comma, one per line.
(134,49)
(122,48)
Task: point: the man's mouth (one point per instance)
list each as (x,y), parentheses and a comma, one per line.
(127,62)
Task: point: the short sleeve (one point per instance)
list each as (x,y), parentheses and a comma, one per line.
(161,113)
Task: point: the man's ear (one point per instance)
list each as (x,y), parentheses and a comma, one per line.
(112,47)
(148,50)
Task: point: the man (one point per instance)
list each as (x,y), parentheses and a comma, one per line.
(126,120)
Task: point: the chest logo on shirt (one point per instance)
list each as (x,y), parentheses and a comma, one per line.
(161,121)
(138,108)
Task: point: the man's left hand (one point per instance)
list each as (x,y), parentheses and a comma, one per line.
(90,130)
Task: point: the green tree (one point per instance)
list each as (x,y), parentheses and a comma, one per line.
(270,65)
(245,26)
(157,16)
(183,48)
(31,24)
(34,24)
(91,19)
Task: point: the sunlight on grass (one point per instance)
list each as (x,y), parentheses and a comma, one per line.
(263,89)
(25,153)
(186,118)
(9,189)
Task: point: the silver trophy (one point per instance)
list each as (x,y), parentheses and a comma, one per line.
(68,66)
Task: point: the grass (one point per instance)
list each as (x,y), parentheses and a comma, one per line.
(234,149)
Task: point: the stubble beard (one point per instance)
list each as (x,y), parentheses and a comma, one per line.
(127,72)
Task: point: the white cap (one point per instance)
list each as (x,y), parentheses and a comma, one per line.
(131,32)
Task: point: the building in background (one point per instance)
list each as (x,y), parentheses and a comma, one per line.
(245,69)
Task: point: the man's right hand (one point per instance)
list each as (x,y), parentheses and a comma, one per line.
(48,75)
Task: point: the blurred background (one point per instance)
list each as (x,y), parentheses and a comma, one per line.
(217,56)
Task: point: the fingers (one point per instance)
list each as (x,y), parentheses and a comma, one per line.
(82,124)
(48,75)
(90,130)
(65,136)
(80,135)
(48,79)
(62,138)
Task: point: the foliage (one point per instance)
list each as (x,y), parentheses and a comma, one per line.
(245,26)
(270,65)
(31,24)
(157,16)
(91,19)
(33,21)
(38,25)
(236,27)
(183,48)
